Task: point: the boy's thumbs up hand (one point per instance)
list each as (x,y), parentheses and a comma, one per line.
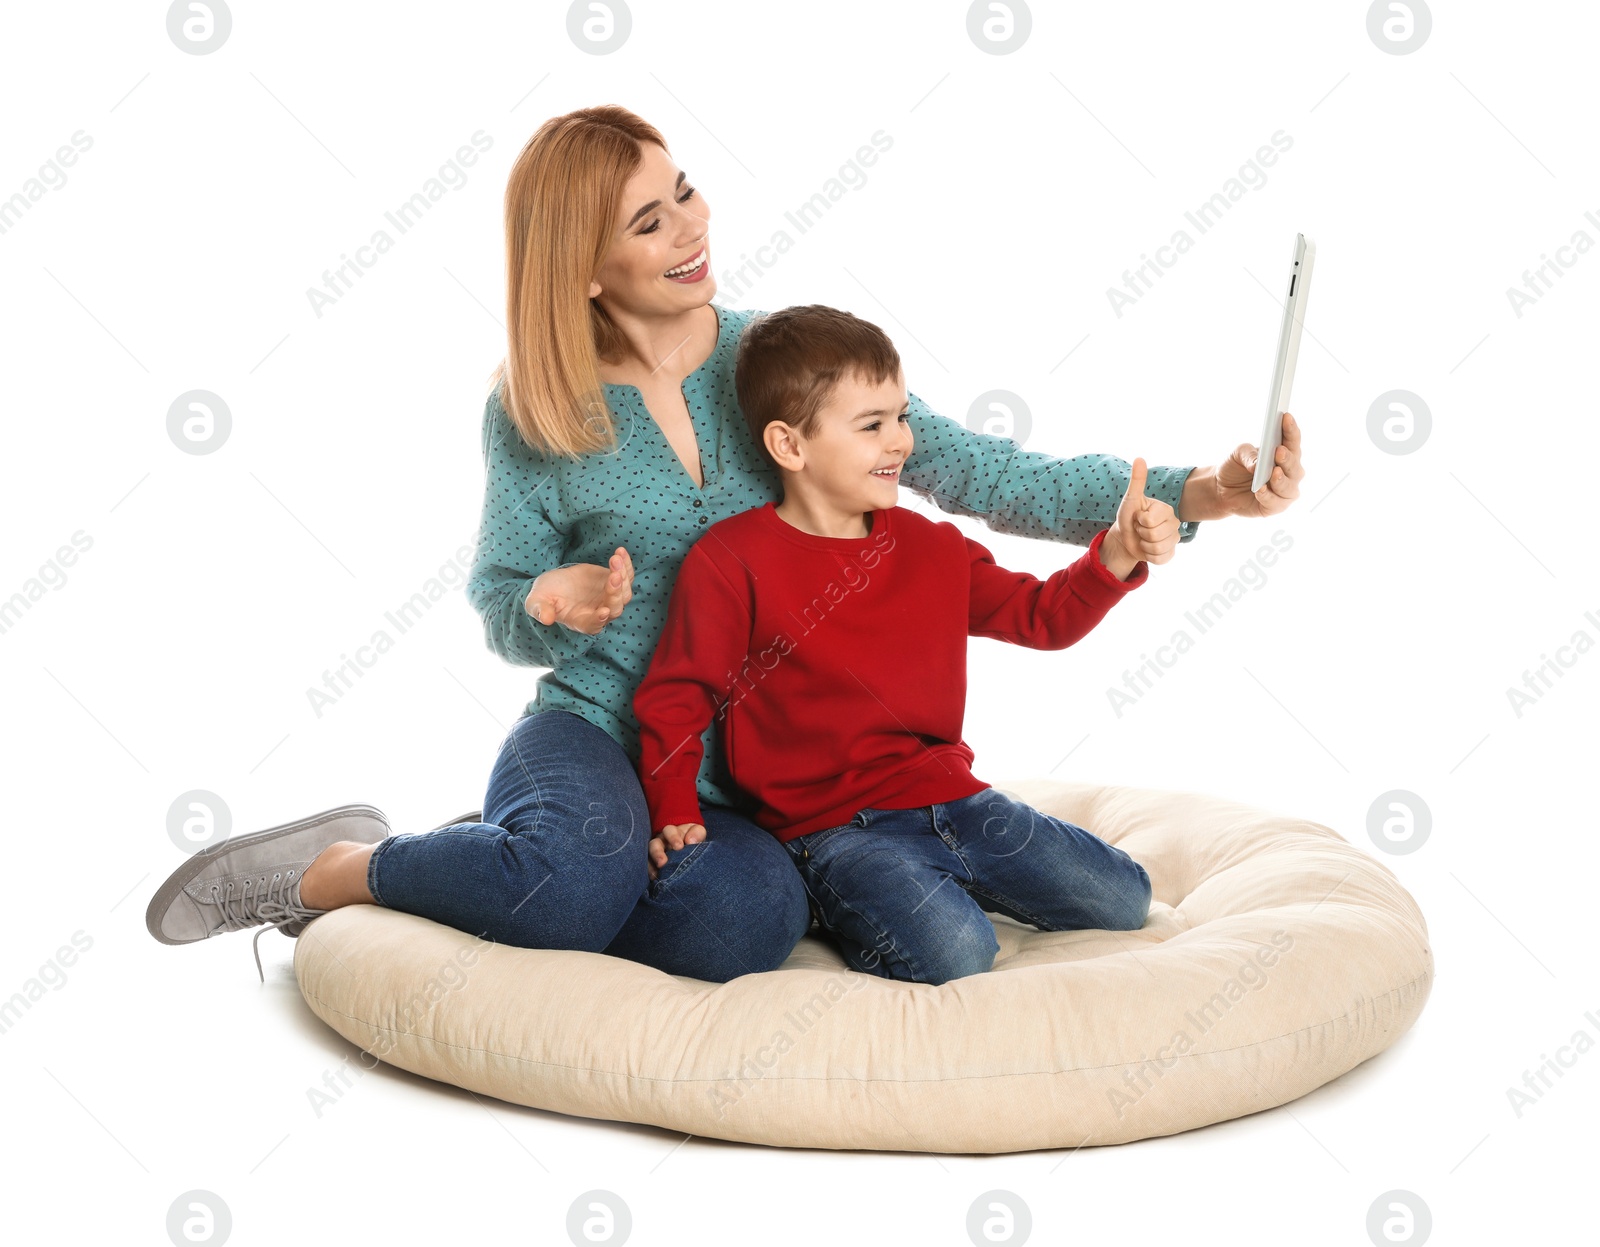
(1146,529)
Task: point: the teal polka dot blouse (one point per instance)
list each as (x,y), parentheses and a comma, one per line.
(543,511)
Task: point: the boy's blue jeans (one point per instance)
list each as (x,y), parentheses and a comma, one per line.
(560,861)
(903,892)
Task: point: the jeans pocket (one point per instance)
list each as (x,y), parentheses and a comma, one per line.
(677,865)
(812,841)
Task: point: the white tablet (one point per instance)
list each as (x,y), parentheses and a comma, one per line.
(1294,310)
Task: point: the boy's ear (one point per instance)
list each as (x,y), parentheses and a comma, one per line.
(784,445)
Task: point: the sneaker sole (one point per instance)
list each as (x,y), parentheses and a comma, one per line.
(170,891)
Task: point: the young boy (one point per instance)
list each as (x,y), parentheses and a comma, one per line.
(828,633)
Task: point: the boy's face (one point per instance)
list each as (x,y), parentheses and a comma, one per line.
(863,436)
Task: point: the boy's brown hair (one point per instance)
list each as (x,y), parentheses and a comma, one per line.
(789,361)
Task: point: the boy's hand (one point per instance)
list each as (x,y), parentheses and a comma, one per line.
(1146,529)
(672,836)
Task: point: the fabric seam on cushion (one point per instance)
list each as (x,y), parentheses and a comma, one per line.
(855,1078)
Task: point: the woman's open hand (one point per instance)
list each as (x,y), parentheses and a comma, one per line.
(585,597)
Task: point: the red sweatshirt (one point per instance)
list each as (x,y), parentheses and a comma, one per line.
(838,665)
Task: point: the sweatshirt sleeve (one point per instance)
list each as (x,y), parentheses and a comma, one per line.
(704,641)
(1044,614)
(1025,493)
(516,543)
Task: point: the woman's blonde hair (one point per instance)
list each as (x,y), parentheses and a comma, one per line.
(562,200)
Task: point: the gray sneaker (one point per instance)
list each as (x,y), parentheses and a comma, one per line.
(254,880)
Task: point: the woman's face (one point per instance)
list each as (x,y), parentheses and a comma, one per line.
(662,226)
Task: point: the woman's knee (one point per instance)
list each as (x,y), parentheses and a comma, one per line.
(784,923)
(729,905)
(761,945)
(575,851)
(563,780)
(771,926)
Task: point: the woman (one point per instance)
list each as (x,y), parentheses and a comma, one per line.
(612,439)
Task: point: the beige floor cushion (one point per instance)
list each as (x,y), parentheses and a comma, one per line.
(1276,957)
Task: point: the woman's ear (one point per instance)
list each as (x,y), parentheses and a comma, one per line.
(594,289)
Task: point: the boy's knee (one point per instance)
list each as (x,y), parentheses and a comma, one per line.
(970,951)
(1138,907)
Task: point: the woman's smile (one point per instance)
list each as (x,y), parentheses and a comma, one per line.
(693,270)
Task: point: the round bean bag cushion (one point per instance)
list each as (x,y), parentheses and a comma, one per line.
(1276,956)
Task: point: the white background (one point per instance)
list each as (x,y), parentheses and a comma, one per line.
(218,588)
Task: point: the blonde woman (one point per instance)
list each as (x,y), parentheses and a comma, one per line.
(612,439)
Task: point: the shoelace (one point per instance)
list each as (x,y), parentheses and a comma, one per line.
(271,905)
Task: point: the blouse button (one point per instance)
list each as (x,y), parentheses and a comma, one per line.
(702,519)
(697,502)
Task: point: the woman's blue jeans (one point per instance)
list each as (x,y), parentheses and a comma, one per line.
(903,892)
(560,861)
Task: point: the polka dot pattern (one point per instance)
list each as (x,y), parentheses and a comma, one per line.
(542,511)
